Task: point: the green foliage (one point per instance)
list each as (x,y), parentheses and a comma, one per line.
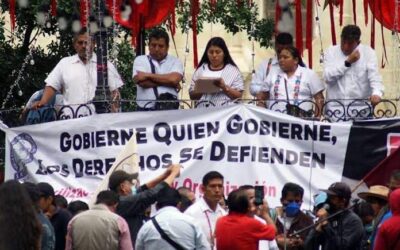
(234,16)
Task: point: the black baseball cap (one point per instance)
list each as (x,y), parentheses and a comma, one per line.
(119,176)
(45,189)
(339,189)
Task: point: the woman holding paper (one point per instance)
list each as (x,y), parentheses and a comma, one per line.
(217,80)
(293,86)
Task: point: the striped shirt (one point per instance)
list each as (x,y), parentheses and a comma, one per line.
(231,76)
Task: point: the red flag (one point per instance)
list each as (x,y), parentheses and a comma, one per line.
(380,174)
(299,27)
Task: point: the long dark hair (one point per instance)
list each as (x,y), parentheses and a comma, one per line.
(19,226)
(295,53)
(220,43)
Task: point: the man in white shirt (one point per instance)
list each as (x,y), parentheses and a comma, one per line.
(266,67)
(170,227)
(76,76)
(351,72)
(157,75)
(207,210)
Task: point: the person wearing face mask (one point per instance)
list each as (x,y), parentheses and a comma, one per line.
(135,199)
(217,63)
(344,230)
(290,218)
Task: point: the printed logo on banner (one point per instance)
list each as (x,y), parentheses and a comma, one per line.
(393,142)
(23,147)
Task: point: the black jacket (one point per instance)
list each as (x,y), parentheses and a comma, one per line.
(344,232)
(132,207)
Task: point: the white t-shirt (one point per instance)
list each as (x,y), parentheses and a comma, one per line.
(231,76)
(168,65)
(301,86)
(205,217)
(359,81)
(265,68)
(77,81)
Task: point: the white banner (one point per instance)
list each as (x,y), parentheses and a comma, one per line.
(248,145)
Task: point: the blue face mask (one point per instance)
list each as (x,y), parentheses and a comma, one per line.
(292,209)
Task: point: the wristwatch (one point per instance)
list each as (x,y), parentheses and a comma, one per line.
(347,64)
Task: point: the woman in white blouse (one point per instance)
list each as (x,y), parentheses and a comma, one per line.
(294,85)
(216,63)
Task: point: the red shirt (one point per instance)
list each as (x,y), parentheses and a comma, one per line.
(239,231)
(388,237)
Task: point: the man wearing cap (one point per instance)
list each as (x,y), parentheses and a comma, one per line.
(344,231)
(59,217)
(135,199)
(179,228)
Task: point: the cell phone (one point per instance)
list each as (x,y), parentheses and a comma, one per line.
(259,195)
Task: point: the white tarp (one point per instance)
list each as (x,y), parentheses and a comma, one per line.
(248,145)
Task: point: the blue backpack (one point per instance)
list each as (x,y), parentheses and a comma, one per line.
(46,113)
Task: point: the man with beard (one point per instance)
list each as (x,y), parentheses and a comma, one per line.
(343,231)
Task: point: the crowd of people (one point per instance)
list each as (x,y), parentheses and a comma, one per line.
(157,216)
(281,83)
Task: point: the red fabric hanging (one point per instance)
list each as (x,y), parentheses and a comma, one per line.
(278,13)
(309,22)
(173,23)
(384,56)
(341,12)
(151,12)
(12,14)
(366,11)
(333,32)
(195,9)
(213,4)
(383,11)
(159,9)
(354,12)
(299,27)
(53,7)
(84,10)
(373,27)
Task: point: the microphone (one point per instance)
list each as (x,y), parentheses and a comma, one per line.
(326,206)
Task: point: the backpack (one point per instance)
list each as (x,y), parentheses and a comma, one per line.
(46,113)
